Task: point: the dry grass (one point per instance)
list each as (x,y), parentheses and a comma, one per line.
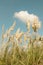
(21,48)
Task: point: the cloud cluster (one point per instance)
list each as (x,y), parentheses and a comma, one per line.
(25,16)
(28,19)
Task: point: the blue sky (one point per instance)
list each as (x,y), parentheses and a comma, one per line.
(9,7)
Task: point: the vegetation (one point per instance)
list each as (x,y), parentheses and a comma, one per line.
(22,48)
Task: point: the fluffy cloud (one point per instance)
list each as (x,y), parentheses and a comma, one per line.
(25,16)
(29,19)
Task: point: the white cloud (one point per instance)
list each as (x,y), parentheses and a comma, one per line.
(29,19)
(25,16)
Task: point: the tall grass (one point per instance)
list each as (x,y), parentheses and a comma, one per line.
(21,48)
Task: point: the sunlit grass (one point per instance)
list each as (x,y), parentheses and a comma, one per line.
(21,48)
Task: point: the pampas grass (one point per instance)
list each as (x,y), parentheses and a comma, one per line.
(13,52)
